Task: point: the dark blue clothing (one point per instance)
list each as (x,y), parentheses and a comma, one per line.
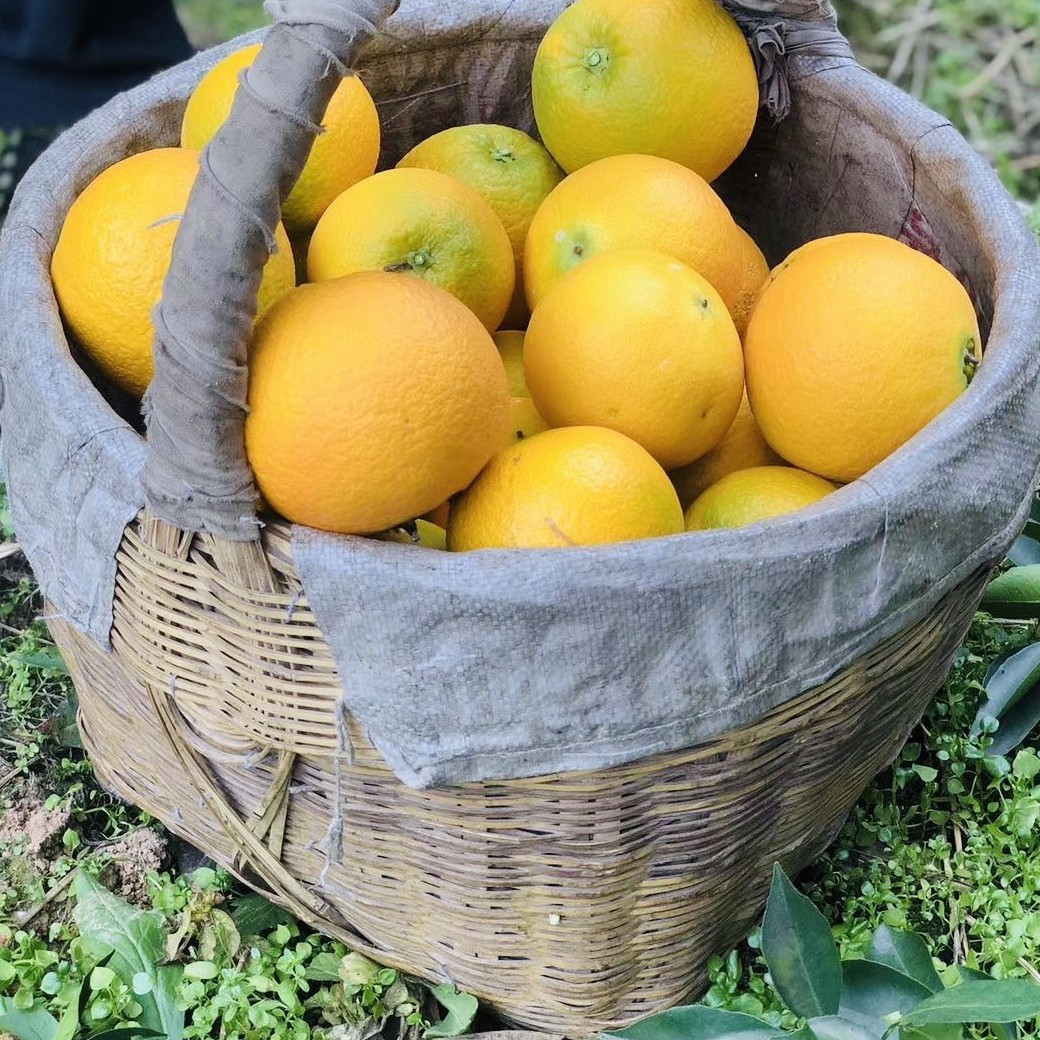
(61,58)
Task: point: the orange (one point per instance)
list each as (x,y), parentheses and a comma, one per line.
(750,495)
(343,154)
(673,78)
(524,418)
(855,345)
(754,274)
(372,399)
(423,224)
(114,251)
(582,485)
(510,170)
(742,446)
(638,342)
(633,201)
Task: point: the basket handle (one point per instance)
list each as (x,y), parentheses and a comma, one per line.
(196,475)
(778,29)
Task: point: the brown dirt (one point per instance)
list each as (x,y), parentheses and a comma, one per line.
(34,830)
(133,858)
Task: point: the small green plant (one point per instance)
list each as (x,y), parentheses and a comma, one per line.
(191,970)
(893,990)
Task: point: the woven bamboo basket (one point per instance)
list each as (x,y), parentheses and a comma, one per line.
(568,902)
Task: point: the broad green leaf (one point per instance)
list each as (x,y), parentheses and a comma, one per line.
(844,1027)
(876,990)
(1016,723)
(1015,593)
(799,950)
(127,1033)
(947,1031)
(696,1022)
(999,1000)
(138,941)
(1024,551)
(1006,685)
(461,1008)
(46,659)
(255,915)
(68,1028)
(907,953)
(36,1024)
(1001,1030)
(324,968)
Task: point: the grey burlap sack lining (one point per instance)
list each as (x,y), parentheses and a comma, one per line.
(489,665)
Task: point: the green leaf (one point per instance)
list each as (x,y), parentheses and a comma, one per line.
(46,659)
(1024,551)
(1001,1030)
(1013,681)
(999,1000)
(907,953)
(137,940)
(27,1025)
(127,1033)
(926,773)
(68,1028)
(876,990)
(696,1022)
(843,1027)
(461,1008)
(1015,593)
(255,915)
(799,951)
(324,968)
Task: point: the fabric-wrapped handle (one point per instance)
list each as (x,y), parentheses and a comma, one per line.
(196,475)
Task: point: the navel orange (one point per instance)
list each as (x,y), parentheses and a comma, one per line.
(345,152)
(524,418)
(422,224)
(582,485)
(856,344)
(751,495)
(113,253)
(372,399)
(638,342)
(742,447)
(509,169)
(633,201)
(673,78)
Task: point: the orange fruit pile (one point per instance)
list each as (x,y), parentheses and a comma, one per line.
(542,339)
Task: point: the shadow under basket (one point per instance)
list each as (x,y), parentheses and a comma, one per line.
(572,902)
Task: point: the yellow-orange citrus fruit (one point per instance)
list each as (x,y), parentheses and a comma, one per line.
(742,446)
(372,399)
(424,224)
(524,418)
(633,201)
(509,169)
(439,515)
(673,78)
(343,154)
(853,347)
(425,534)
(638,342)
(750,495)
(582,485)
(114,251)
(755,273)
